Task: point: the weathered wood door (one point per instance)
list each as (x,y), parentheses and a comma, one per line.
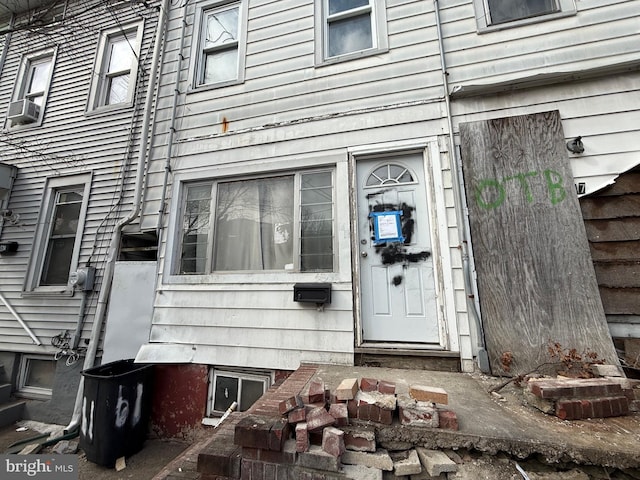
(536,280)
(397,287)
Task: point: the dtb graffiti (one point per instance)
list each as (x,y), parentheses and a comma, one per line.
(492,193)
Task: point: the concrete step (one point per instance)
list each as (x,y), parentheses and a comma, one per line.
(5,392)
(11,412)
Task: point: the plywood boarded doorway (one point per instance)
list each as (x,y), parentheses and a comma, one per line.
(535,277)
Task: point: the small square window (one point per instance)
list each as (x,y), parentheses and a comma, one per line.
(36,375)
(505,13)
(221,44)
(349,27)
(116,68)
(243,387)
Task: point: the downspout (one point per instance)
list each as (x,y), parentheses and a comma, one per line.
(7,40)
(462,212)
(107,278)
(172,126)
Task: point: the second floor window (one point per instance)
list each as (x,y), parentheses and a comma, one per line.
(37,80)
(350,27)
(221,45)
(32,90)
(116,67)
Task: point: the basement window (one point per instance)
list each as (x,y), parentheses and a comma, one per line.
(242,386)
(35,378)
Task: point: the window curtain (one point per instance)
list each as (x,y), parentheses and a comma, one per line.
(254,225)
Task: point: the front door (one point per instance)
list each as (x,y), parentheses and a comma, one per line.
(397,285)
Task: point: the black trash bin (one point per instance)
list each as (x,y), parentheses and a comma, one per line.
(115,410)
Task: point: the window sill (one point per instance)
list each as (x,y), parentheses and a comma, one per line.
(107,109)
(347,57)
(213,86)
(44,292)
(251,278)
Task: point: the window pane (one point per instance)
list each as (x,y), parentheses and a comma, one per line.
(195,228)
(222,28)
(316,222)
(350,35)
(221,66)
(120,55)
(39,77)
(117,89)
(39,373)
(251,392)
(254,222)
(66,219)
(57,261)
(226,393)
(510,10)
(336,6)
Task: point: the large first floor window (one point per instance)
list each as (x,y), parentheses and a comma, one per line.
(282,223)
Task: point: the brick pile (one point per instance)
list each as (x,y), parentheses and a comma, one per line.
(330,435)
(578,398)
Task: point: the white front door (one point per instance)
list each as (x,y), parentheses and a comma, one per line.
(397,285)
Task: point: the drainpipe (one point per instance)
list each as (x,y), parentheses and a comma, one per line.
(172,126)
(20,321)
(462,211)
(107,278)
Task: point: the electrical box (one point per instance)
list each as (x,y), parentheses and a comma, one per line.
(83,278)
(318,293)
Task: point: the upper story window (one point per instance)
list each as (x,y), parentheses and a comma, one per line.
(115,72)
(60,227)
(33,84)
(221,45)
(506,13)
(347,28)
(280,223)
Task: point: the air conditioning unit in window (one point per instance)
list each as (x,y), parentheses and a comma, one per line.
(23,111)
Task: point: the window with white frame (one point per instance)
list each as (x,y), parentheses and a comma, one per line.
(279,223)
(221,44)
(35,377)
(243,387)
(501,13)
(345,28)
(60,227)
(32,89)
(116,66)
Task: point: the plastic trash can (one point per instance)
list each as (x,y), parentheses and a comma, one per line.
(116,405)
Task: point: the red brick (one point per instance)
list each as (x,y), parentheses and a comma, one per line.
(360,439)
(278,434)
(386,387)
(386,416)
(352,408)
(364,411)
(333,441)
(316,391)
(302,437)
(253,431)
(448,419)
(297,416)
(575,409)
(575,388)
(290,404)
(319,418)
(340,413)
(368,384)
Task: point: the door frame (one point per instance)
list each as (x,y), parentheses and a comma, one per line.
(442,265)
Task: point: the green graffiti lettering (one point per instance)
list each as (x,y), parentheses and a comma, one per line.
(557,192)
(522,178)
(482,186)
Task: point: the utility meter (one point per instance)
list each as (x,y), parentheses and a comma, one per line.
(83,278)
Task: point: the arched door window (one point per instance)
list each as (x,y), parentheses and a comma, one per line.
(389,174)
